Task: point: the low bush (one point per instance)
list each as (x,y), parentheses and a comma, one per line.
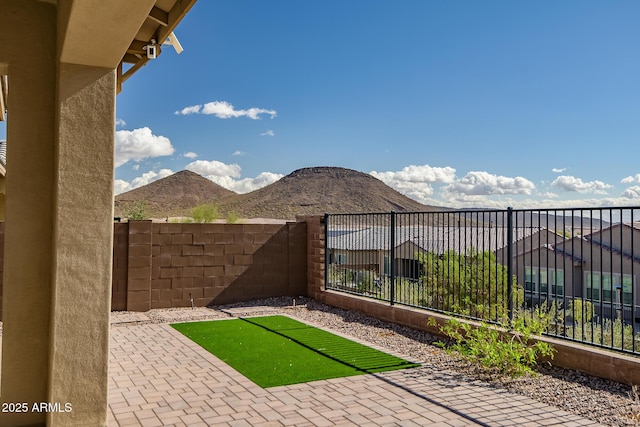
(507,348)
(205,213)
(136,210)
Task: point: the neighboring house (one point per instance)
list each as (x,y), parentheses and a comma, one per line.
(370,248)
(360,249)
(600,266)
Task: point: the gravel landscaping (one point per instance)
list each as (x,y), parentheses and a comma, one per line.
(604,401)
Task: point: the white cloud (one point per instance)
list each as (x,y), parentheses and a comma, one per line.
(246,185)
(120,123)
(478,183)
(558,170)
(631,179)
(121,186)
(214,168)
(570,183)
(632,193)
(268,133)
(135,167)
(190,155)
(239,153)
(423,173)
(139,144)
(416,181)
(224,110)
(149,177)
(229,176)
(550,195)
(194,109)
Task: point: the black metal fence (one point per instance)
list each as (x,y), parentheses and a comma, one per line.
(573,269)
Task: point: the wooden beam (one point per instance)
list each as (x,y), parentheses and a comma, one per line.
(3,97)
(131,59)
(166,27)
(159,16)
(137,47)
(179,11)
(141,63)
(119,79)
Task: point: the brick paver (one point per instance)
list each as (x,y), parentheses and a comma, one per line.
(158,377)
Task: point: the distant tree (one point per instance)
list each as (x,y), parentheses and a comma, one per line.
(474,284)
(205,213)
(136,210)
(232,217)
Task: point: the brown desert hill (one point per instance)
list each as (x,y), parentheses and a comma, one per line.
(174,195)
(319,190)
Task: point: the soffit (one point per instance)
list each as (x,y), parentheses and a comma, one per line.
(97,32)
(110,34)
(113,34)
(162,19)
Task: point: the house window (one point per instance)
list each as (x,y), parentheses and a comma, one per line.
(341,258)
(603,285)
(544,280)
(530,279)
(387,265)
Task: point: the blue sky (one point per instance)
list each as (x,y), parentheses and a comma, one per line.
(453,103)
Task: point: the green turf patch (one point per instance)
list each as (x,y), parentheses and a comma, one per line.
(277,350)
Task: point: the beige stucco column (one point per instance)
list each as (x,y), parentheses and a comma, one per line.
(59,226)
(29,205)
(82,241)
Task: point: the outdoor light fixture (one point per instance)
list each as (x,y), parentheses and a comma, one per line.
(151,49)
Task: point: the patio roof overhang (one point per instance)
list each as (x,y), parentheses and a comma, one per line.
(124,43)
(111,34)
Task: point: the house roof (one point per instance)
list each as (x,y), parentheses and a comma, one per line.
(433,239)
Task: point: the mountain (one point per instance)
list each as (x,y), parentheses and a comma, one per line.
(174,195)
(319,190)
(308,191)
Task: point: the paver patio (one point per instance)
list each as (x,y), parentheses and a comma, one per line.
(158,377)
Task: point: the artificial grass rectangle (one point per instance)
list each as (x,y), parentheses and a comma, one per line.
(277,350)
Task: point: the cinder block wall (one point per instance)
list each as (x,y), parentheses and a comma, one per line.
(169,265)
(157,265)
(315,255)
(120,266)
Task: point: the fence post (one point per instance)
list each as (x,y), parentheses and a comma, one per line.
(392,255)
(326,251)
(510,262)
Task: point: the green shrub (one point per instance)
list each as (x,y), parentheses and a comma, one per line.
(364,281)
(205,213)
(232,217)
(612,333)
(475,282)
(580,310)
(136,210)
(504,349)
